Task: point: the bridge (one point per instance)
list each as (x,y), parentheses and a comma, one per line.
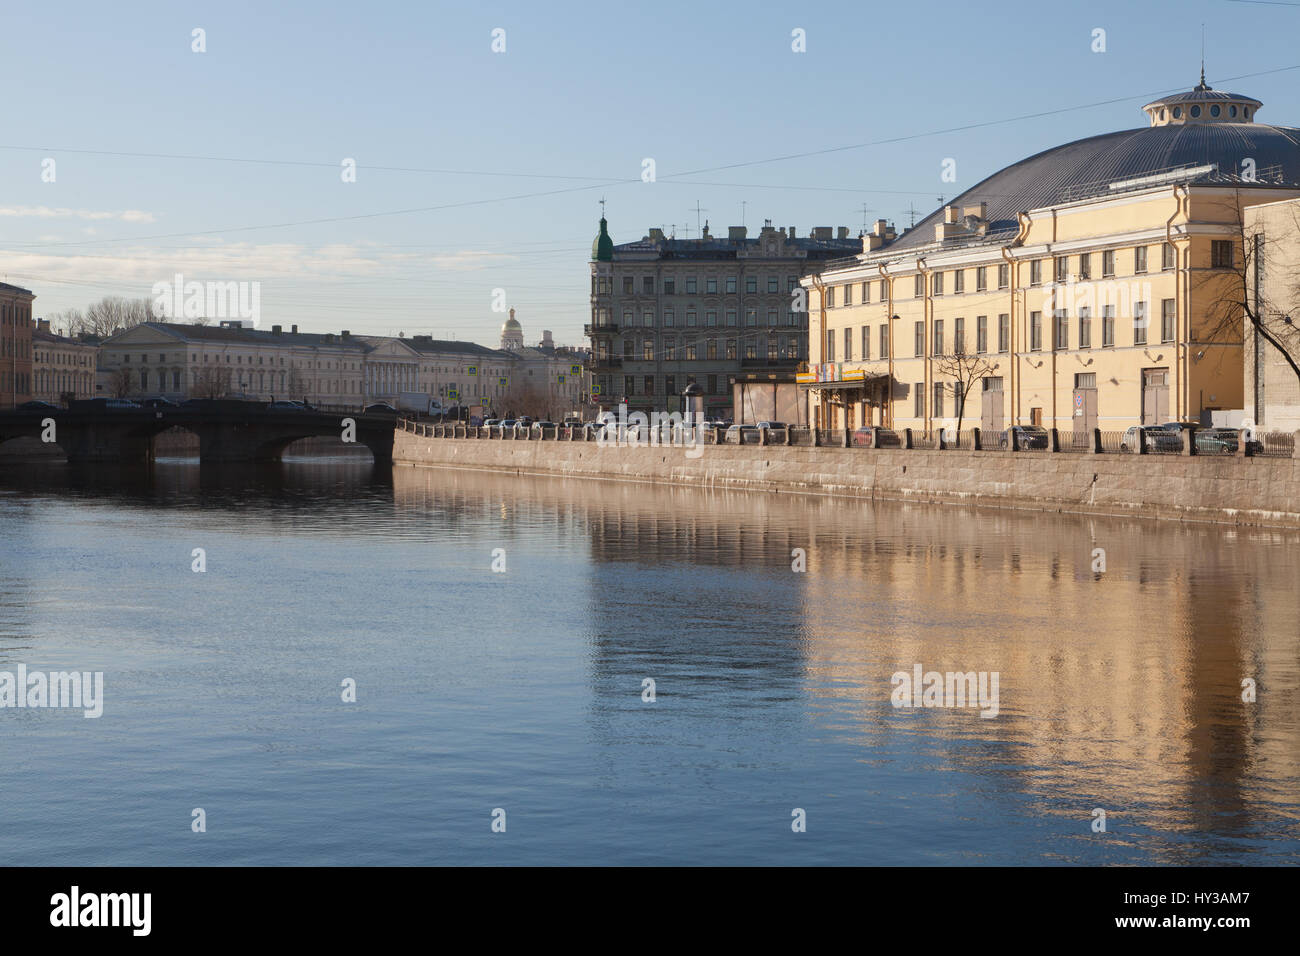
(227,430)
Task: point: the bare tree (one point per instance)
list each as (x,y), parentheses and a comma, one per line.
(297,385)
(523,397)
(213,382)
(110,315)
(1235,291)
(965,370)
(119,382)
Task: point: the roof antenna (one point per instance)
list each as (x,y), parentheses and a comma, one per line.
(1203,86)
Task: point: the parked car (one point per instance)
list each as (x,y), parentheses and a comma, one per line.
(37,406)
(157,401)
(120,404)
(1223,441)
(1025,437)
(287,406)
(379,408)
(742,435)
(541,426)
(1159,440)
(873,436)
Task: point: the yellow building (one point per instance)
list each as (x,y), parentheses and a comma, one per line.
(1089,286)
(1273,337)
(62,368)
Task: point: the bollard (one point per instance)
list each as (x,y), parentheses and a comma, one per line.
(1141,441)
(762,436)
(1095,448)
(977,442)
(847,437)
(1188,436)
(907,438)
(1241,451)
(1056,441)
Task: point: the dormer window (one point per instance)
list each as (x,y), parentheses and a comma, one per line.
(1178,112)
(1214,110)
(1232,111)
(1196,111)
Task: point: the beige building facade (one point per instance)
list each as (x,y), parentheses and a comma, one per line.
(1089,286)
(62,368)
(1273,337)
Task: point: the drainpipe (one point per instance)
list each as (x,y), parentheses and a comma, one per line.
(1181,193)
(888,417)
(926,318)
(820,286)
(1012,365)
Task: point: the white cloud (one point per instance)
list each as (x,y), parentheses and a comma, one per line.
(53,212)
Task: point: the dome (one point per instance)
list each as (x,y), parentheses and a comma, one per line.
(1205,152)
(511,324)
(1203,104)
(602,249)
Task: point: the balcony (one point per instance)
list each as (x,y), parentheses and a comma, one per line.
(609,328)
(764,362)
(601,362)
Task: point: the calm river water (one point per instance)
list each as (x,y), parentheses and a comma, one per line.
(522,689)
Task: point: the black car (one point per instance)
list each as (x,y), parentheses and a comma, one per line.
(1025,437)
(157,402)
(380,408)
(37,406)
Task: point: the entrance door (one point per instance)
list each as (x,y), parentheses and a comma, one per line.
(991,407)
(1155,396)
(1084,406)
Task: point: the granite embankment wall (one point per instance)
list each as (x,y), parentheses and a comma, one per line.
(1261,491)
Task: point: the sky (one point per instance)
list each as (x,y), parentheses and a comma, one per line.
(479,171)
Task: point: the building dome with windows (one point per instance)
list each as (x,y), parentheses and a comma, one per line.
(512,333)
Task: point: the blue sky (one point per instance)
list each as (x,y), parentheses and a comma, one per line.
(479,170)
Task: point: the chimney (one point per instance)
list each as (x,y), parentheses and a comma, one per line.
(736,232)
(347,334)
(789,231)
(842,232)
(821,232)
(657,235)
(42,325)
(294,330)
(951,213)
(277,329)
(979,211)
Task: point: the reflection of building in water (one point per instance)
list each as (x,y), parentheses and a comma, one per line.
(1119,689)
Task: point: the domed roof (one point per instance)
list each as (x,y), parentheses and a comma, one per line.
(602,249)
(511,323)
(1204,152)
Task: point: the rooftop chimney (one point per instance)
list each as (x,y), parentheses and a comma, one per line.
(789,231)
(657,235)
(842,233)
(821,232)
(737,232)
(294,330)
(347,333)
(277,329)
(951,213)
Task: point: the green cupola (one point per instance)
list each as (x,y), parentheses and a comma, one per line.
(602,249)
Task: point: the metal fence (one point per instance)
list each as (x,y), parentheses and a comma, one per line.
(1156,441)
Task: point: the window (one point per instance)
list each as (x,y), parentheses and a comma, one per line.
(1108,263)
(731,285)
(884,290)
(670,286)
(918,399)
(1085,379)
(1036,272)
(648,285)
(938,399)
(1107,326)
(1062,269)
(830,346)
(627,285)
(690,317)
(648,320)
(1140,320)
(981,333)
(774,285)
(628,346)
(1004,332)
(1035,331)
(751,284)
(884,341)
(629,385)
(751,350)
(1004,275)
(848,295)
(751,317)
(670,384)
(711,317)
(670,348)
(1167,256)
(713,385)
(711,285)
(1140,260)
(982,279)
(1168,320)
(711,350)
(1061,334)
(1221,254)
(1085,327)
(731,318)
(830,297)
(668,318)
(919,342)
(866,342)
(731,349)
(1085,266)
(959,281)
(690,285)
(648,350)
(959,336)
(649,384)
(771,318)
(938,336)
(791,283)
(936,282)
(918,285)
(866,292)
(690,352)
(848,345)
